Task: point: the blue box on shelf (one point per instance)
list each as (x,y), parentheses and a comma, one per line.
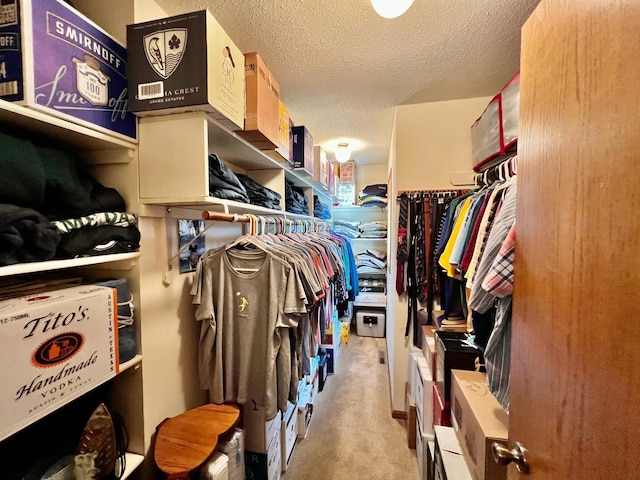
(302,149)
(57,61)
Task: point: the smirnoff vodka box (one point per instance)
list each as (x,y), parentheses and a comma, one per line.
(186,63)
(54,59)
(55,346)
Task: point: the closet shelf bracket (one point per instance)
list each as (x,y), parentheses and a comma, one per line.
(206,215)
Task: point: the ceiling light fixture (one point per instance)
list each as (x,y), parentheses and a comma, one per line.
(391,8)
(343,153)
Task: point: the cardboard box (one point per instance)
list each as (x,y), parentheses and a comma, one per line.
(304,408)
(258,431)
(284,149)
(336,169)
(322,371)
(288,434)
(429,348)
(419,388)
(431,452)
(56,60)
(348,171)
(262,109)
(314,366)
(441,412)
(453,351)
(422,447)
(331,186)
(410,421)
(449,463)
(412,377)
(265,466)
(56,346)
(303,149)
(319,164)
(185,63)
(479,420)
(424,399)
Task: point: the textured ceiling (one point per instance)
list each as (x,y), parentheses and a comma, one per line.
(342,68)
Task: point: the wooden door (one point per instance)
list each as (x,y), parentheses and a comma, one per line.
(575,375)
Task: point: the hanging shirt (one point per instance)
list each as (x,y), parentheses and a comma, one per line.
(241,312)
(480,299)
(485,226)
(446,254)
(499,280)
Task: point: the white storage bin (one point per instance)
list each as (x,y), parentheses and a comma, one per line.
(510,111)
(370,323)
(216,468)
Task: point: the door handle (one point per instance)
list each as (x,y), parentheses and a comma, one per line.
(517,455)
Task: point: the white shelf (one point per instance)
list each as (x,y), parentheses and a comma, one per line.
(232,148)
(367,240)
(133,462)
(95,148)
(131,363)
(16,118)
(32,267)
(174,162)
(224,206)
(371,300)
(358,209)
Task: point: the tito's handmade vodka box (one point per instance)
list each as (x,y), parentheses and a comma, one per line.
(186,63)
(54,347)
(54,59)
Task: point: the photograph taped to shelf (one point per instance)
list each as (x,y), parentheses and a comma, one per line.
(346,194)
(188,230)
(57,346)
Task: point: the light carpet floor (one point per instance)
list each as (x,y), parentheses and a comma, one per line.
(352,435)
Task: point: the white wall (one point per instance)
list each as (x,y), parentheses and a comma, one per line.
(392,328)
(434,139)
(370,175)
(431,140)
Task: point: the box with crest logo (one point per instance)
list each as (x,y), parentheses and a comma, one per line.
(186,63)
(56,60)
(54,347)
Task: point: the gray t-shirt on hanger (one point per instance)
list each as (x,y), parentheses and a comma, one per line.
(241,311)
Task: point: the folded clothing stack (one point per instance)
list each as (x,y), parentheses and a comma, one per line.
(374,195)
(41,185)
(320,210)
(25,236)
(371,261)
(373,229)
(223,183)
(345,228)
(259,194)
(295,199)
(98,234)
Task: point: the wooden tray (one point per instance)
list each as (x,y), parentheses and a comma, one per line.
(186,441)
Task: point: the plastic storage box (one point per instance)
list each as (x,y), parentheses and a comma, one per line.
(370,323)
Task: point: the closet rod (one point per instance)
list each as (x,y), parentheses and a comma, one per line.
(447,190)
(225,217)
